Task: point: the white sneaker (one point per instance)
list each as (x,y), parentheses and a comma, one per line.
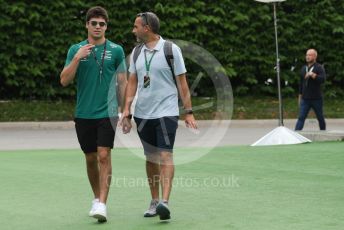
(94,202)
(151,211)
(100,212)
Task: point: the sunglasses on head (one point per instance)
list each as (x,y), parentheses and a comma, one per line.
(144,16)
(95,23)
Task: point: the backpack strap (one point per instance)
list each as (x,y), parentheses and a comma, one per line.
(170,61)
(169,57)
(137,52)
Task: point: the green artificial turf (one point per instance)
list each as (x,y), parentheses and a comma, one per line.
(282,187)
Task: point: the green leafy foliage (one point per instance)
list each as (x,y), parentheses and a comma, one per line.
(240,34)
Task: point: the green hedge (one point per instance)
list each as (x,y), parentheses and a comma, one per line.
(239,33)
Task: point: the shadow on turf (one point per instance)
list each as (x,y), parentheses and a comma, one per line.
(162,222)
(99,222)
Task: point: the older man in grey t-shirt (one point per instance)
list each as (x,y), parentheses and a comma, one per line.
(160,97)
(156,110)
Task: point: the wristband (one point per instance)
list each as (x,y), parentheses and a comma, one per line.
(188,111)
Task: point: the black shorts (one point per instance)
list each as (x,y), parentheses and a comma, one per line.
(157,135)
(92,133)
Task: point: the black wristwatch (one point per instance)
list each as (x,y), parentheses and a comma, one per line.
(188,111)
(129,116)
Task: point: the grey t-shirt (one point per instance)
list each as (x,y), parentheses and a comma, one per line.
(160,98)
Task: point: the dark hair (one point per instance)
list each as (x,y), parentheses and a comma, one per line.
(97,12)
(150,19)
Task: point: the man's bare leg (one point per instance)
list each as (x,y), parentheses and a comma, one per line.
(153,174)
(105,172)
(166,174)
(93,172)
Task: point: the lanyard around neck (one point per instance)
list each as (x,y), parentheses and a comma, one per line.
(309,70)
(101,66)
(147,64)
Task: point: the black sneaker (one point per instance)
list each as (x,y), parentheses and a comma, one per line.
(163,211)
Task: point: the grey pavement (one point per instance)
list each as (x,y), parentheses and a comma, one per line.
(61,135)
